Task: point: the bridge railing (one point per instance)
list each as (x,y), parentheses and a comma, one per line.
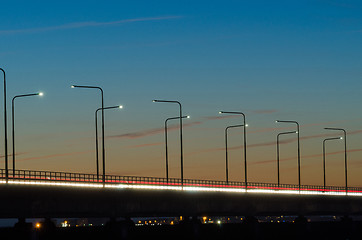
(50,176)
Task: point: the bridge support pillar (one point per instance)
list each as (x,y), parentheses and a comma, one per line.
(23,230)
(252,227)
(302,230)
(348,227)
(46,230)
(191,228)
(119,229)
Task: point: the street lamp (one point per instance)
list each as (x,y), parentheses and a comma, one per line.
(103,147)
(5,131)
(181,143)
(13,121)
(278,158)
(345,152)
(166,142)
(244,125)
(324,158)
(96,123)
(298,137)
(226,150)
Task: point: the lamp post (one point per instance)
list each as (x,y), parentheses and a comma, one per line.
(345,153)
(96,123)
(5,131)
(298,137)
(166,142)
(226,150)
(278,158)
(103,147)
(245,163)
(13,121)
(181,143)
(324,158)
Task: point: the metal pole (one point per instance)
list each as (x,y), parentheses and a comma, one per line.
(278,158)
(245,162)
(345,160)
(96,123)
(13,123)
(298,138)
(5,131)
(103,147)
(97,161)
(166,141)
(226,150)
(324,158)
(324,164)
(345,154)
(181,143)
(298,130)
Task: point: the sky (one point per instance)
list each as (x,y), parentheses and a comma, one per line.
(286,60)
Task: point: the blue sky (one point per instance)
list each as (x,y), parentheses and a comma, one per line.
(294,60)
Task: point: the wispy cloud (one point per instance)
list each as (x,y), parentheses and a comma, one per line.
(320,155)
(16,154)
(220,117)
(53,156)
(262,111)
(146,145)
(153,131)
(76,25)
(265,111)
(273,143)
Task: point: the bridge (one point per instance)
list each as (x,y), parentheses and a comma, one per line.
(46,194)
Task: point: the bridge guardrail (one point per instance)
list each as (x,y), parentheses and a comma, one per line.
(49,176)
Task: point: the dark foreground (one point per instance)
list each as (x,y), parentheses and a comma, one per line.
(344,229)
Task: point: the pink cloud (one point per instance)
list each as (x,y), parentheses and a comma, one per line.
(153,131)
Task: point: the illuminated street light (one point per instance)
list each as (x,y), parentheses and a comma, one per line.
(345,153)
(278,158)
(103,147)
(298,137)
(96,123)
(181,142)
(13,121)
(226,150)
(5,131)
(166,142)
(245,163)
(324,158)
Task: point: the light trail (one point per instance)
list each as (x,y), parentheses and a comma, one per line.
(177,187)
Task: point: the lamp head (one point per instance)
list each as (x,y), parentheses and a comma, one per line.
(188,117)
(72,86)
(41,94)
(120,106)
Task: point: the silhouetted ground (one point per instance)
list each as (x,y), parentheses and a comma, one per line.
(194,230)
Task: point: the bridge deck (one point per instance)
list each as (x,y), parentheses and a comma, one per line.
(58,194)
(112,181)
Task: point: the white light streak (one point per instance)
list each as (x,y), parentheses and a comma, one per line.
(182,188)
